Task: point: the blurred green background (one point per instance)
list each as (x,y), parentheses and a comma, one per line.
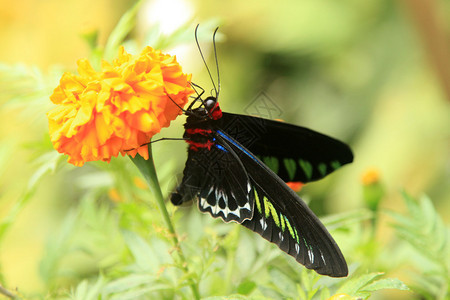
(373,73)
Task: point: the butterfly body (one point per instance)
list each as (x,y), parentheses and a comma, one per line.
(237,167)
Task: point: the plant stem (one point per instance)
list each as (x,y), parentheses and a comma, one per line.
(7,293)
(147,168)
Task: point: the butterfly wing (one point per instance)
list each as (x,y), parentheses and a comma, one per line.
(281,217)
(294,153)
(217,177)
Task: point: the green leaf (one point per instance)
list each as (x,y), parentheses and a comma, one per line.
(126,23)
(354,285)
(231,297)
(141,251)
(346,218)
(286,286)
(387,283)
(58,247)
(86,291)
(246,287)
(48,164)
(423,229)
(128,282)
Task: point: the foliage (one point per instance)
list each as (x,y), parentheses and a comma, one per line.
(423,229)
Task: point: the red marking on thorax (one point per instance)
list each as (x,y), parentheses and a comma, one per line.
(195,145)
(198,131)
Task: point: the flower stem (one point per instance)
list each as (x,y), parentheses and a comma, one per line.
(147,168)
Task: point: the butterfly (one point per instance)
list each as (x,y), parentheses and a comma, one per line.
(237,168)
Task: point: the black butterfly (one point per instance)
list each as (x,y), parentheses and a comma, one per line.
(227,171)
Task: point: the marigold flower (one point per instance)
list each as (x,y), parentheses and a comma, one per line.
(102,114)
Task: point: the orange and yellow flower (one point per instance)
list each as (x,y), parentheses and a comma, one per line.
(101,114)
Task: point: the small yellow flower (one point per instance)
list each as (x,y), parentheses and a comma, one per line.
(370,176)
(140,183)
(101,114)
(342,297)
(114,195)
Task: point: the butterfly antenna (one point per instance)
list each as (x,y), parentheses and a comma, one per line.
(198,97)
(158,140)
(217,62)
(203,58)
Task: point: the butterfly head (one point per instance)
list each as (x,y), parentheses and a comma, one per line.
(212,108)
(209,109)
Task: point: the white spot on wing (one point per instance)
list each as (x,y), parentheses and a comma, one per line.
(323,258)
(297,248)
(215,209)
(225,198)
(280,236)
(311,255)
(246,206)
(236,212)
(263,223)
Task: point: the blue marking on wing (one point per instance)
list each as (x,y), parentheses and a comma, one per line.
(221,148)
(226,137)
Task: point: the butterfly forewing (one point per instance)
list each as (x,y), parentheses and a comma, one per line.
(294,153)
(281,217)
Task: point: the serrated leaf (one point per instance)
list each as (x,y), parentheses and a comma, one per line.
(354,285)
(423,229)
(386,283)
(284,284)
(137,293)
(127,283)
(86,291)
(141,251)
(58,247)
(49,163)
(343,219)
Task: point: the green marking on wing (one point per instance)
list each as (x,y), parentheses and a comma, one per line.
(335,164)
(304,242)
(291,229)
(322,169)
(308,246)
(283,223)
(291,166)
(296,236)
(307,168)
(272,163)
(258,203)
(270,210)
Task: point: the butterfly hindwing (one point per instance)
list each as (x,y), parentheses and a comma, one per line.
(281,217)
(219,181)
(294,153)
